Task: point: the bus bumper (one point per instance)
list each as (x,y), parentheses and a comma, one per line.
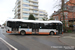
(8,31)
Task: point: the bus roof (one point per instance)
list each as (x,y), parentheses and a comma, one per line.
(34,21)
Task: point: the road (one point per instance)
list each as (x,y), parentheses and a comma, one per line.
(32,42)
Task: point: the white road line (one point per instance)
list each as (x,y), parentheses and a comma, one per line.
(55,36)
(8,44)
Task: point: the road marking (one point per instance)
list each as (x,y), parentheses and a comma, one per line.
(8,44)
(55,36)
(69,37)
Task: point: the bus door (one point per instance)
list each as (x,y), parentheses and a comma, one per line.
(15,27)
(59,28)
(35,28)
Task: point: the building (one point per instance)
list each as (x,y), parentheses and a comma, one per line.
(69,13)
(24,8)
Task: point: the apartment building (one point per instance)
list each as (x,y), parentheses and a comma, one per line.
(24,8)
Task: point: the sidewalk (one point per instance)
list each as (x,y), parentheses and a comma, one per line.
(68,39)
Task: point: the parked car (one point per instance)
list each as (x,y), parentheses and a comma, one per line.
(2,27)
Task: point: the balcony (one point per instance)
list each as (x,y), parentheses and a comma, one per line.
(35,8)
(36,16)
(19,17)
(34,1)
(18,1)
(18,13)
(33,4)
(35,12)
(31,7)
(18,9)
(30,11)
(18,5)
(45,14)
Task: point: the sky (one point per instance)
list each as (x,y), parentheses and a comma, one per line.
(6,7)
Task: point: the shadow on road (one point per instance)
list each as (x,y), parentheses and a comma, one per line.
(33,35)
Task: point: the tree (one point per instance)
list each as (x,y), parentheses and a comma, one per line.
(31,17)
(51,18)
(62,7)
(45,19)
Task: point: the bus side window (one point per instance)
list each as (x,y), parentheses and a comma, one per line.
(30,25)
(24,25)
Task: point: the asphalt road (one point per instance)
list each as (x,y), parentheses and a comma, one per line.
(34,42)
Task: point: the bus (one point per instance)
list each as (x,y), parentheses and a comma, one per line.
(23,27)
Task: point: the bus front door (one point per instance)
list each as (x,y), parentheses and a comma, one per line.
(15,27)
(35,28)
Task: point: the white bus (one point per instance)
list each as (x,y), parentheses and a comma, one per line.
(23,27)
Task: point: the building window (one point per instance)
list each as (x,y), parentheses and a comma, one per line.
(41,15)
(35,15)
(66,16)
(40,18)
(26,14)
(41,12)
(57,18)
(25,5)
(26,18)
(35,7)
(34,0)
(35,3)
(26,1)
(24,9)
(35,11)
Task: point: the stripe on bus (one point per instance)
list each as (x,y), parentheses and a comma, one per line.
(8,31)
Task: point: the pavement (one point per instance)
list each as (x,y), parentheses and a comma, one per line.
(68,39)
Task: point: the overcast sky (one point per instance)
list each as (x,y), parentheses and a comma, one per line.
(6,7)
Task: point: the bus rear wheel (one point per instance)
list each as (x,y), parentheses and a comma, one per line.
(22,32)
(52,33)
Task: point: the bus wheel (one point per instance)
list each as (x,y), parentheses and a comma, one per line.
(51,33)
(22,32)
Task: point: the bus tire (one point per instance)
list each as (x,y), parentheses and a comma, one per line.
(51,33)
(22,33)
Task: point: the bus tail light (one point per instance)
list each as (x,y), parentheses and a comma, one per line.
(55,33)
(62,32)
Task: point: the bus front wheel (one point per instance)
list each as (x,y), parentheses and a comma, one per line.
(51,33)
(22,32)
